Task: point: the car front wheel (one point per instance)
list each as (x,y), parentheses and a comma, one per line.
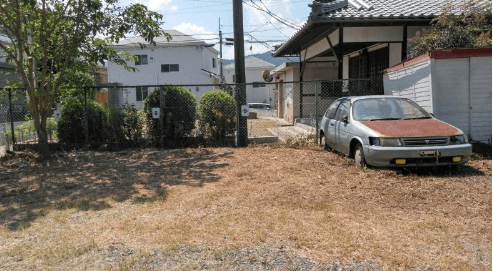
(322,142)
(359,156)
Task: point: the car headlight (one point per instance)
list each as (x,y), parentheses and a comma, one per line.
(385,142)
(459,139)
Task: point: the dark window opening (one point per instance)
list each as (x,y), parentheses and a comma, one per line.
(141,60)
(141,93)
(170,68)
(258,84)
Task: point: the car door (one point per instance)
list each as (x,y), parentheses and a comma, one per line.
(341,128)
(329,124)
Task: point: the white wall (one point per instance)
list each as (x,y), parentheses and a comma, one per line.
(260,94)
(373,34)
(412,82)
(254,95)
(481,98)
(191,60)
(451,91)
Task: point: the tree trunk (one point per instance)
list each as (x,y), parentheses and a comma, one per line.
(43,148)
(40,125)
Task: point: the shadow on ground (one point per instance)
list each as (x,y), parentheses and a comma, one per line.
(88,180)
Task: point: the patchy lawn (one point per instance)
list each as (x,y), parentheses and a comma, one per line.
(261,207)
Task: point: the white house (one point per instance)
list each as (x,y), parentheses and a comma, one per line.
(184,60)
(257,91)
(454,85)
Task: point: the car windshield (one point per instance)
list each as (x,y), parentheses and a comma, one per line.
(387,109)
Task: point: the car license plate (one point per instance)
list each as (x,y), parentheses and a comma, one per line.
(430,153)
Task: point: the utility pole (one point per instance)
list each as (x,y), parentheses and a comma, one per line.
(240,93)
(221,75)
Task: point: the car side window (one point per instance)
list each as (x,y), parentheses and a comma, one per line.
(331,112)
(342,110)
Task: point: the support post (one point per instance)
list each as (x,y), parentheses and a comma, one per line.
(86,124)
(161,113)
(11,117)
(340,52)
(404,44)
(241,122)
(316,112)
(221,74)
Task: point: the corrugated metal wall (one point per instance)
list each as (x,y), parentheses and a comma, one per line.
(455,90)
(481,98)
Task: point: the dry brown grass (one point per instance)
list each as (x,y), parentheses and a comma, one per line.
(183,209)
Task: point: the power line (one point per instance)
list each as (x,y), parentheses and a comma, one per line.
(267,11)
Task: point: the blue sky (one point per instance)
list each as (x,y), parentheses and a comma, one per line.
(200,18)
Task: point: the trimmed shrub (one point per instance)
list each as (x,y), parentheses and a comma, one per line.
(71,124)
(131,123)
(217,114)
(178,110)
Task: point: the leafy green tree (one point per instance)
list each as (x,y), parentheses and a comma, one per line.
(54,40)
(470,29)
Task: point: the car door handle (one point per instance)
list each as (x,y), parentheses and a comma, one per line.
(332,124)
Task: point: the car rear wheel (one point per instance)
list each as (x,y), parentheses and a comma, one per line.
(359,156)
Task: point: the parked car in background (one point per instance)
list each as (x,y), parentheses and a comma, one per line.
(262,109)
(259,106)
(389,131)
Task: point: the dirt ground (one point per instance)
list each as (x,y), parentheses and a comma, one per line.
(257,208)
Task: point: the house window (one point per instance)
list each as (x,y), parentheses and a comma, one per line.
(331,89)
(258,84)
(234,79)
(141,93)
(142,60)
(369,64)
(170,68)
(213,62)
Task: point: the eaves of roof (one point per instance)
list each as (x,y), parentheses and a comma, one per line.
(314,28)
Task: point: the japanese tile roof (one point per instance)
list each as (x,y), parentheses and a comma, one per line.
(253,62)
(380,9)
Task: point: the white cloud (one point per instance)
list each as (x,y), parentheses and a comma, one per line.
(198,32)
(160,5)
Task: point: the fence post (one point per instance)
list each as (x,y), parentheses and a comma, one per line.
(11,117)
(316,112)
(161,111)
(86,124)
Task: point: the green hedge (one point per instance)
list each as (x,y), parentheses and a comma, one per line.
(217,114)
(71,124)
(178,109)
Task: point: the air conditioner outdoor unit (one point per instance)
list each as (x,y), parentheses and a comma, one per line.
(151,59)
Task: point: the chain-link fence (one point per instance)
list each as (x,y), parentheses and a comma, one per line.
(116,117)
(292,110)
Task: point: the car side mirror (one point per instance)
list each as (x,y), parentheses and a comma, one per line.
(345,119)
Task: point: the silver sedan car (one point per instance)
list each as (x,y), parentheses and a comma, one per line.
(390,131)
